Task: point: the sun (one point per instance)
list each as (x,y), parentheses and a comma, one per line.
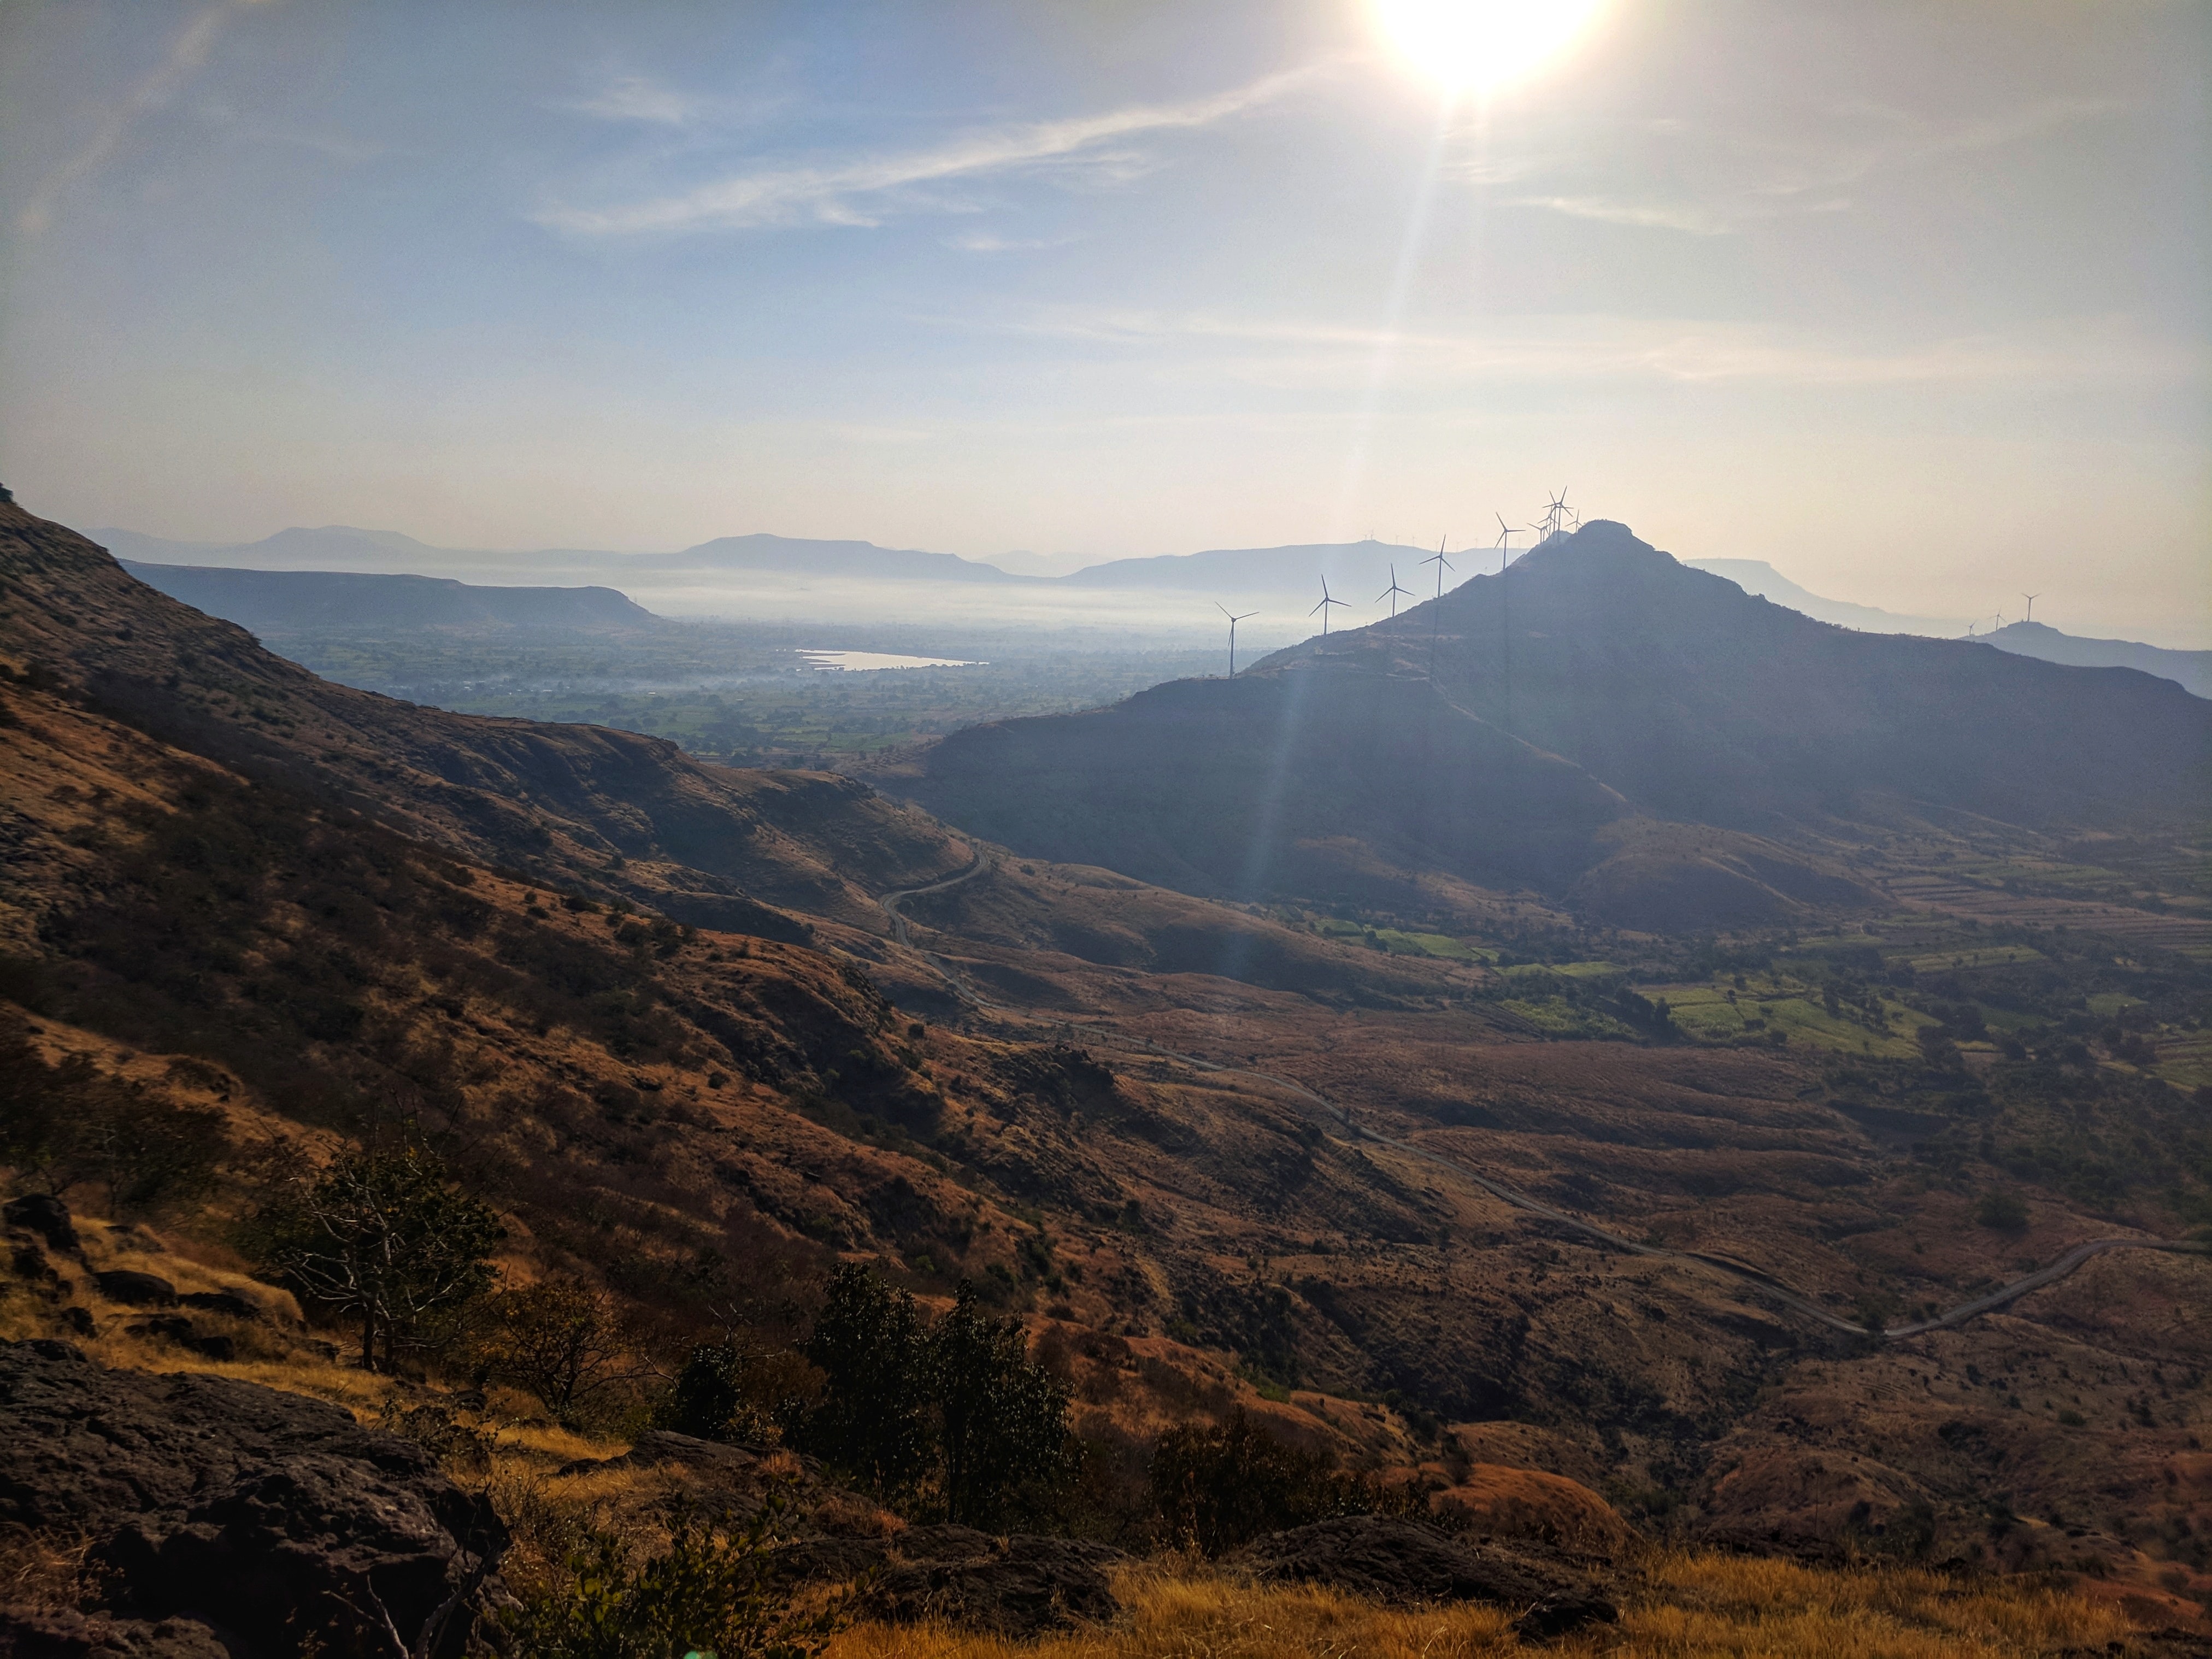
(1481,45)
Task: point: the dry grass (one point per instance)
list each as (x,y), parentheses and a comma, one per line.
(1687,1606)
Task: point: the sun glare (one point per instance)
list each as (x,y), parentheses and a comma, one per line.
(1481,45)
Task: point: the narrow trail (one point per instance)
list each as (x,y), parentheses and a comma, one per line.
(1766,1284)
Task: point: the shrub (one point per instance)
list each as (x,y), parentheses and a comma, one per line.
(67,1125)
(2002,1211)
(707,1593)
(1214,1489)
(561,1339)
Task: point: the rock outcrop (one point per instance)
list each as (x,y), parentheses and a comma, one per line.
(232,1518)
(1405,1562)
(1017,1586)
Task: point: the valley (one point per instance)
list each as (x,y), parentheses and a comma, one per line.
(1470,1143)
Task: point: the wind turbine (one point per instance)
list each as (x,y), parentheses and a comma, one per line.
(1441,564)
(1554,509)
(1505,536)
(1233,620)
(2031,598)
(1323,606)
(1392,592)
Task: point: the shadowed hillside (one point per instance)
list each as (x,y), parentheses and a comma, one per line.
(1600,721)
(610,810)
(2190,670)
(286,601)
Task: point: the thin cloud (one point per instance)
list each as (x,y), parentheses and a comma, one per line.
(982,241)
(1293,353)
(863,190)
(1643,216)
(1723,180)
(635,98)
(187,53)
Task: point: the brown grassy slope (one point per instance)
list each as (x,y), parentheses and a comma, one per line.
(338,973)
(1027,908)
(582,804)
(642,1103)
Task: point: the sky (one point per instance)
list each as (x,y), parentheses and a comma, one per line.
(1907,297)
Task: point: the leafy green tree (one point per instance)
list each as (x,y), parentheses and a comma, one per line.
(384,1237)
(953,1418)
(1001,1419)
(871,1419)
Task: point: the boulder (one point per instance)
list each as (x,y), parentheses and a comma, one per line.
(135,1289)
(1020,1586)
(273,1520)
(1404,1562)
(229,1303)
(45,1215)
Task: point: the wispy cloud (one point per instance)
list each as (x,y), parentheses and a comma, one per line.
(1643,216)
(187,53)
(863,190)
(982,241)
(637,98)
(1603,348)
(1723,179)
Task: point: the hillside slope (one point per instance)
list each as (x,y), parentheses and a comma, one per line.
(2190,670)
(610,810)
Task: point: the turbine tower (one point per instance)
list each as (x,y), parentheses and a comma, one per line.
(1392,592)
(1441,564)
(2031,598)
(1505,535)
(1233,620)
(1323,606)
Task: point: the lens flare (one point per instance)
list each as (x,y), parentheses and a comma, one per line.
(1481,45)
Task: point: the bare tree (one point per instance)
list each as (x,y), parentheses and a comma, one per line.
(385,1238)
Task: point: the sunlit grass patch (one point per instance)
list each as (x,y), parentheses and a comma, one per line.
(1556,1017)
(1683,1604)
(1976,956)
(1705,1012)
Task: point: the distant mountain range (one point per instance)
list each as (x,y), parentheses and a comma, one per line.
(1758,577)
(1224,571)
(1357,572)
(1602,723)
(277,602)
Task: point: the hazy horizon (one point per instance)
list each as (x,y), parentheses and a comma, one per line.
(1908,302)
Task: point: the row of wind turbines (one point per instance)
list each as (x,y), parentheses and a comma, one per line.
(1558,517)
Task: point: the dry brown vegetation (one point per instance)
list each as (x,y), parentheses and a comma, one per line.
(699,1120)
(1684,1605)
